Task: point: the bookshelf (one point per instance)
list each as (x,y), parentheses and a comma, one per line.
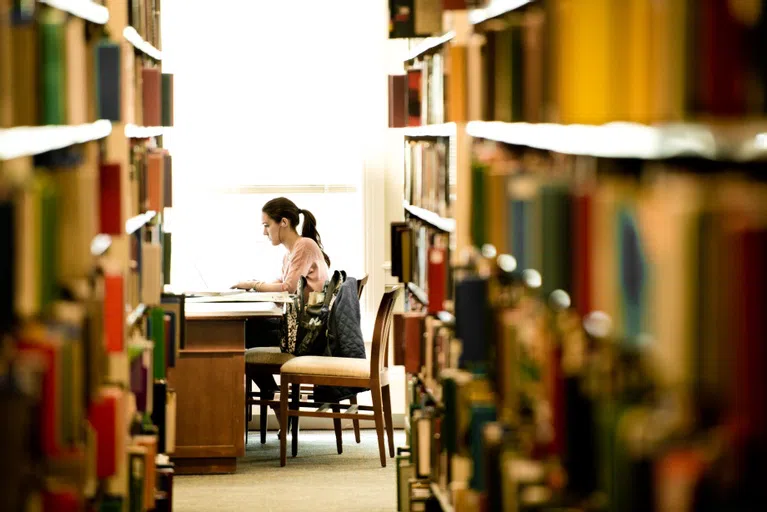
(86,333)
(610,217)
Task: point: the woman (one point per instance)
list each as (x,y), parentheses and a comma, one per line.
(305,257)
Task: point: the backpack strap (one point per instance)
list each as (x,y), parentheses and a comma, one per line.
(332,286)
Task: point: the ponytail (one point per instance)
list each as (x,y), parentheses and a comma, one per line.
(309,230)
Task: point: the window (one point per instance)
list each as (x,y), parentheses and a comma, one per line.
(265,107)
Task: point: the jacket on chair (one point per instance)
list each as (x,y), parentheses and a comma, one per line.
(344,338)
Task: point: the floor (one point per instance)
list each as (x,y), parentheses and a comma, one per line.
(318,479)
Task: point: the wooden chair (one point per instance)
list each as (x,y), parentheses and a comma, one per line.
(269,360)
(341,371)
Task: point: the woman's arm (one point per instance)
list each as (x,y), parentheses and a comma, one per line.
(268,287)
(259,286)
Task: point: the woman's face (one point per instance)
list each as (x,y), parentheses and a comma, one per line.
(272,229)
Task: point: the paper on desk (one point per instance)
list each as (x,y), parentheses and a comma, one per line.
(206,292)
(278,297)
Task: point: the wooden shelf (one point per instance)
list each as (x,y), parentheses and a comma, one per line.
(85,9)
(135,223)
(442,223)
(143,132)
(431,131)
(133,37)
(136,315)
(419,293)
(631,140)
(100,244)
(25,141)
(495,9)
(429,45)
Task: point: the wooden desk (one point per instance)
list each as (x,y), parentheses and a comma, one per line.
(209,380)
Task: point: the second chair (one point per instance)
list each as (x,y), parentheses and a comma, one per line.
(345,372)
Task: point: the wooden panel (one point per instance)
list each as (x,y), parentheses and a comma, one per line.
(215,334)
(209,383)
(206,466)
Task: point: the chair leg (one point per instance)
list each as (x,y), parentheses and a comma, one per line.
(356,423)
(283,420)
(264,413)
(386,393)
(378,415)
(337,428)
(296,397)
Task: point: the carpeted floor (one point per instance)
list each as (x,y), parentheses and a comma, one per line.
(317,480)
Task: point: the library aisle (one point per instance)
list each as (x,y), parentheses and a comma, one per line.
(569,197)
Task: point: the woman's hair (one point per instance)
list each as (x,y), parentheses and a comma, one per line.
(283,208)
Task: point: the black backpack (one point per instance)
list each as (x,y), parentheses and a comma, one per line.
(305,330)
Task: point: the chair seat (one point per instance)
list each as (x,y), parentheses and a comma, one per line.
(322,366)
(266,355)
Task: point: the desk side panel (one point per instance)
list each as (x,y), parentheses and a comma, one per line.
(209,382)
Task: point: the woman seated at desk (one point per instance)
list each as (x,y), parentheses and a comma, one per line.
(305,257)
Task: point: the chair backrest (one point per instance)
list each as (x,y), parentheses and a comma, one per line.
(361,282)
(380,350)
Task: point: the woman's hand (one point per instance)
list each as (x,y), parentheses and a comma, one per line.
(246,285)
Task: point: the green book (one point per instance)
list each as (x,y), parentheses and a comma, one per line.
(166,254)
(157,333)
(52,67)
(136,481)
(555,238)
(478,221)
(49,228)
(167,99)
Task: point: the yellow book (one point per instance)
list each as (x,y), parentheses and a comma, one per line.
(6,82)
(28,241)
(638,55)
(585,51)
(76,72)
(668,57)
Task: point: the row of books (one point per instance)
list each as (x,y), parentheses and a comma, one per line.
(49,70)
(427,175)
(87,334)
(420,257)
(594,62)
(655,278)
(425,99)
(144,16)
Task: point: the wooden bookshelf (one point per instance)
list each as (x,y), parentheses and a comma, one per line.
(496,9)
(82,313)
(86,9)
(25,141)
(143,132)
(139,43)
(607,187)
(430,45)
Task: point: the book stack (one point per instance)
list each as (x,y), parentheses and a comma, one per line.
(596,345)
(86,333)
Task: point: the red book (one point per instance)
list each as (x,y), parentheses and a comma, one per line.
(155,181)
(63,500)
(151,90)
(110,203)
(582,253)
(47,350)
(414,97)
(114,313)
(437,277)
(103,417)
(414,331)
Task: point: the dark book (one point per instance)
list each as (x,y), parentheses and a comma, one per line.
(108,78)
